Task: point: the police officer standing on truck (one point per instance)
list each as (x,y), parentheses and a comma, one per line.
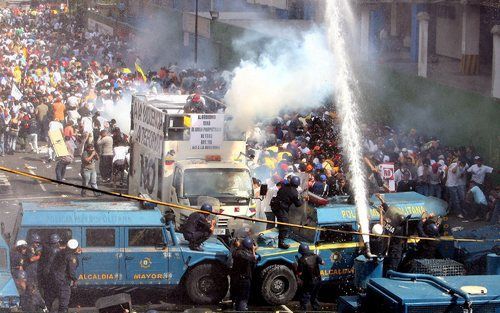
(63,275)
(280,205)
(244,262)
(47,260)
(308,272)
(393,220)
(197,229)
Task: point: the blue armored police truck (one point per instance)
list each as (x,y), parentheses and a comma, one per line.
(278,283)
(9,297)
(124,246)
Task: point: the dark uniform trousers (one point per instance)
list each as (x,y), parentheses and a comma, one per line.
(63,274)
(310,294)
(308,266)
(196,238)
(282,216)
(241,291)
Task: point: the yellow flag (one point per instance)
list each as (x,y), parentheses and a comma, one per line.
(17,74)
(25,53)
(126,70)
(139,69)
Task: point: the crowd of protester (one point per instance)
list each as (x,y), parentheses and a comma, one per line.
(310,143)
(68,78)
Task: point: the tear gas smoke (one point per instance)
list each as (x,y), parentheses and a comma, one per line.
(347,105)
(120,111)
(290,75)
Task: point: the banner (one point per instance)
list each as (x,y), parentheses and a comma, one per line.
(16,93)
(206,131)
(387,175)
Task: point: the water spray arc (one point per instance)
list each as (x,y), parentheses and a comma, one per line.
(338,20)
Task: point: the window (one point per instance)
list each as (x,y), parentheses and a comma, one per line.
(100,237)
(45,233)
(336,237)
(3,259)
(145,237)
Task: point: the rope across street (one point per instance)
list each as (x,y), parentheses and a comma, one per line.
(250,219)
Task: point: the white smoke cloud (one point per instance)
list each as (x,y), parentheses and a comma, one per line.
(291,74)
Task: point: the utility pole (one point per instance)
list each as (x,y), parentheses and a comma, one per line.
(196,34)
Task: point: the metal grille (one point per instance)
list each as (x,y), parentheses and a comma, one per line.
(438,267)
(477,308)
(222,222)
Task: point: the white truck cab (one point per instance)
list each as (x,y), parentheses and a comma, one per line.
(188,159)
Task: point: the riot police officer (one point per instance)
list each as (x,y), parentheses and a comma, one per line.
(47,260)
(18,257)
(33,259)
(197,229)
(244,262)
(428,249)
(393,220)
(286,196)
(63,275)
(308,271)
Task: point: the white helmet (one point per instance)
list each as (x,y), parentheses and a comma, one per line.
(72,244)
(377,229)
(21,242)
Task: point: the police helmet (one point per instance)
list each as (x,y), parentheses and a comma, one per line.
(206,207)
(304,249)
(72,244)
(377,229)
(322,177)
(431,230)
(247,243)
(21,275)
(35,238)
(394,216)
(21,243)
(295,181)
(55,238)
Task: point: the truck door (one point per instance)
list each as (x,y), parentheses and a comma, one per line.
(145,261)
(102,254)
(338,250)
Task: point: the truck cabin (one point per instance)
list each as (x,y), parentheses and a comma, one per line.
(121,244)
(9,296)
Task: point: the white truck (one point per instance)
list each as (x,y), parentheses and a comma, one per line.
(188,159)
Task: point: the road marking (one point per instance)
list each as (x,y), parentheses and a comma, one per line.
(41,197)
(39,181)
(4,180)
(284,307)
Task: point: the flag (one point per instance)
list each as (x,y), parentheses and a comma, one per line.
(16,93)
(17,73)
(25,53)
(139,69)
(126,70)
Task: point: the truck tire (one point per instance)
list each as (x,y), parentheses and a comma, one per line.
(207,283)
(278,284)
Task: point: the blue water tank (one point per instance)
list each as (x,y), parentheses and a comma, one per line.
(365,269)
(492,264)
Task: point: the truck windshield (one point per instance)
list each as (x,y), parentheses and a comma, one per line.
(3,259)
(217,183)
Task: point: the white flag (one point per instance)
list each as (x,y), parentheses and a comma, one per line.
(15,93)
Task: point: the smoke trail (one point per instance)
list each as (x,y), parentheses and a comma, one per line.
(336,12)
(292,74)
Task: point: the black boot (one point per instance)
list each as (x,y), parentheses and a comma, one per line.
(283,245)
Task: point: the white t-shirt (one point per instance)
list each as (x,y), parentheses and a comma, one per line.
(55,125)
(453,179)
(120,153)
(479,173)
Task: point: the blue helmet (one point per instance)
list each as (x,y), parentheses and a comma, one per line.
(247,243)
(295,181)
(322,177)
(206,207)
(431,230)
(35,238)
(304,249)
(55,238)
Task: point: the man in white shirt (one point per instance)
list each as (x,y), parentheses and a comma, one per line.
(455,174)
(479,172)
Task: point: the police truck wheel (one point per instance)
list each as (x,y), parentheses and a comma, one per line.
(278,284)
(206,284)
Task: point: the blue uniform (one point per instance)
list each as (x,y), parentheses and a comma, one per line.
(63,274)
(196,230)
(47,260)
(308,268)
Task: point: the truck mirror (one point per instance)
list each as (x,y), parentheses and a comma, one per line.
(263,190)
